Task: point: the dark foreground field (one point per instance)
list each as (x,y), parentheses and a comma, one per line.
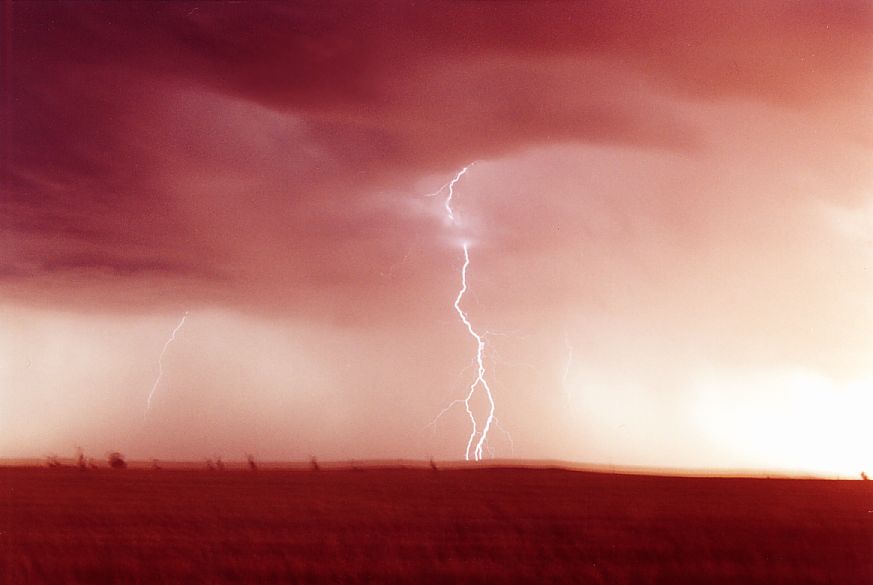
(483,525)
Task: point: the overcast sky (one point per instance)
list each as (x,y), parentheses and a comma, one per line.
(668,208)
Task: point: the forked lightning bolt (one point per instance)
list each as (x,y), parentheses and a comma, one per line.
(475,448)
(451,187)
(480,369)
(171,339)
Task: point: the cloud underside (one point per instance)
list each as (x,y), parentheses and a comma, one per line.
(160,153)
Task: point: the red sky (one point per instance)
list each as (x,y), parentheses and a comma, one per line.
(669,218)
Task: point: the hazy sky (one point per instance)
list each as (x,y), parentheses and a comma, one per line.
(669,217)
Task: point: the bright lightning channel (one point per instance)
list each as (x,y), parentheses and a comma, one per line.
(475,448)
(448,202)
(170,340)
(480,380)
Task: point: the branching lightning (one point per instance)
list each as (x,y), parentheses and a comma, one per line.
(170,340)
(477,441)
(448,202)
(480,380)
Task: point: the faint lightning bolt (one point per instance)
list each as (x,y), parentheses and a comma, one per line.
(475,448)
(171,339)
(508,436)
(567,364)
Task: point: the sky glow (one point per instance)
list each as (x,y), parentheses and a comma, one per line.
(667,230)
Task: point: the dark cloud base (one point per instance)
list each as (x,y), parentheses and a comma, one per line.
(98,153)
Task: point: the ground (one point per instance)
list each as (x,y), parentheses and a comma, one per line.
(492,525)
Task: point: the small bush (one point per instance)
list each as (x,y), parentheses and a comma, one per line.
(116,460)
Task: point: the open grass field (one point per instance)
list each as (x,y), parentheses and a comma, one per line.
(487,525)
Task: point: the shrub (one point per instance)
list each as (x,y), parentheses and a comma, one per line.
(116,460)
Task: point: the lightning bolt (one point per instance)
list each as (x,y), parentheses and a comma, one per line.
(475,448)
(480,380)
(448,202)
(171,339)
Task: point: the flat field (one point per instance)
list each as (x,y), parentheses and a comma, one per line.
(487,525)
